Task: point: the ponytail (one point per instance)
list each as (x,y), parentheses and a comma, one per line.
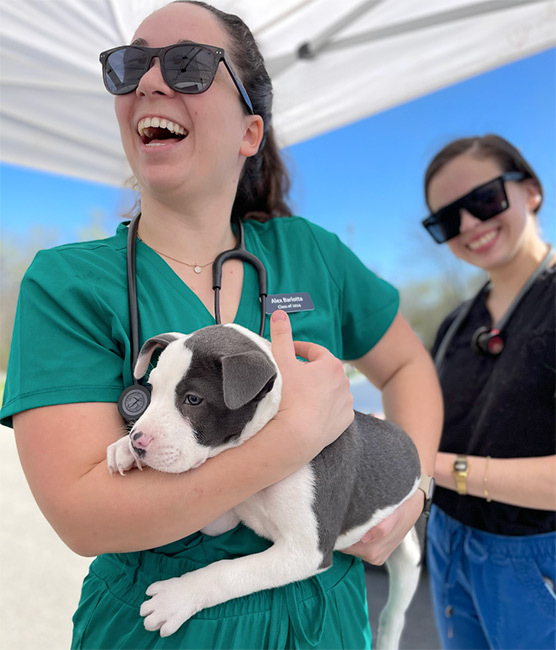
(264,184)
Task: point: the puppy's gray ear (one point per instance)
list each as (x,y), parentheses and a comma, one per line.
(149,346)
(245,375)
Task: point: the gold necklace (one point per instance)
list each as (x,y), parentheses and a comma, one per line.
(196,267)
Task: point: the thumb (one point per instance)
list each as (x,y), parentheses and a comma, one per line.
(281,339)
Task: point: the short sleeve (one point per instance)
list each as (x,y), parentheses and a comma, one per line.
(369,304)
(68,343)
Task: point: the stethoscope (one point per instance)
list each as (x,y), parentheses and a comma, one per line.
(134,400)
(488,341)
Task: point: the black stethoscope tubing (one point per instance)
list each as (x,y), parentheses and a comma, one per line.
(135,398)
(241,253)
(132,302)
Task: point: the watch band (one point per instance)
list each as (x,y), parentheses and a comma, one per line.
(460,471)
(426,484)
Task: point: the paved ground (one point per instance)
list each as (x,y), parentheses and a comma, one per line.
(41,578)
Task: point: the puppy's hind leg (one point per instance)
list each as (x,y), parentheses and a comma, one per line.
(404,569)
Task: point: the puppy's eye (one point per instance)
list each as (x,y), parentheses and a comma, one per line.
(193,400)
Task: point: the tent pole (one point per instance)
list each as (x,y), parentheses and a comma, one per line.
(426,21)
(323,41)
(310,49)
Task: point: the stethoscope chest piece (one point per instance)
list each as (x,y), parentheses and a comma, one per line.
(133,402)
(488,342)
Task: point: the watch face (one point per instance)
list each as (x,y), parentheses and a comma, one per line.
(460,465)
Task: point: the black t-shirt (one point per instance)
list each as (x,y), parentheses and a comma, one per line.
(504,406)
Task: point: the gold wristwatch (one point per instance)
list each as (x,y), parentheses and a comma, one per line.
(460,471)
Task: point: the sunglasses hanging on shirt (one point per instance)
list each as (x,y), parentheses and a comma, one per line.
(483,202)
(187,68)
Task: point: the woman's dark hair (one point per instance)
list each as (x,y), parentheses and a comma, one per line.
(264,184)
(491,146)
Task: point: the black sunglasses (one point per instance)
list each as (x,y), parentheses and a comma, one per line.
(188,68)
(483,202)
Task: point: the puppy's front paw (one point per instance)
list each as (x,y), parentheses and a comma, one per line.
(168,609)
(120,457)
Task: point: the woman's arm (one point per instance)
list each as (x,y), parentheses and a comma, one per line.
(403,370)
(63,453)
(400,366)
(525,482)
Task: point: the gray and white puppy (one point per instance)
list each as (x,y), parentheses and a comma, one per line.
(213,390)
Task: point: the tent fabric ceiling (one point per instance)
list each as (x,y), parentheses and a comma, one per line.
(55,114)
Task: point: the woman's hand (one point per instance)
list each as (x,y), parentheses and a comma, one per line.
(380,541)
(316,405)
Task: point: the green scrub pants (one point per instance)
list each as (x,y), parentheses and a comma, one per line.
(326,611)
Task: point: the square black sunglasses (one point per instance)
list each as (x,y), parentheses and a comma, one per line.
(187,68)
(483,202)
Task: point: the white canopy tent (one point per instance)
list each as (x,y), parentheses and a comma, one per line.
(332,63)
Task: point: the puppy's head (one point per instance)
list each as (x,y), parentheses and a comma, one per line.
(211,390)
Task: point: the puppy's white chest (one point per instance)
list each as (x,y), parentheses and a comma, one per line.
(255,513)
(285,505)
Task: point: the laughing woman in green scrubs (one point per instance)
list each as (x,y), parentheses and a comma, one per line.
(200,159)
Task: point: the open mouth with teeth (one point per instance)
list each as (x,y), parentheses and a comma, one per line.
(157,130)
(483,240)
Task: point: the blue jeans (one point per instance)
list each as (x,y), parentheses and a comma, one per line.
(491,591)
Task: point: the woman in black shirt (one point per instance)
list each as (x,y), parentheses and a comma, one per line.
(491,550)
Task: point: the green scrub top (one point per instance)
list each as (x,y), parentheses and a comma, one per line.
(71,344)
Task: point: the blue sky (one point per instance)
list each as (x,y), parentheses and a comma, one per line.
(362,181)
